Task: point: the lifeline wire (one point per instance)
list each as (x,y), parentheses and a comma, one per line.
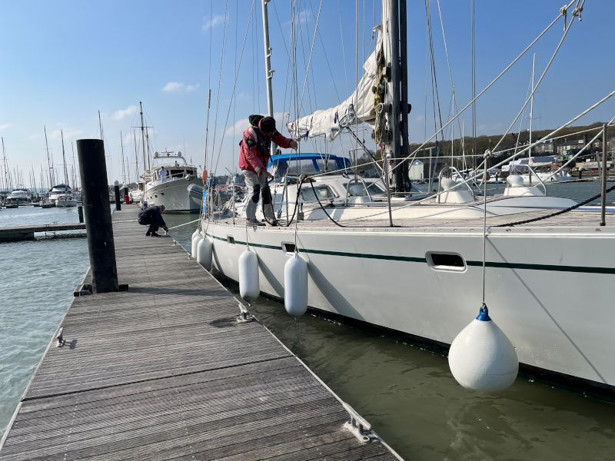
(490,84)
(487,154)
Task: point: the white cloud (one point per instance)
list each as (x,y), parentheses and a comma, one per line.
(237,128)
(69,133)
(121,114)
(178,87)
(304,16)
(209,22)
(4,126)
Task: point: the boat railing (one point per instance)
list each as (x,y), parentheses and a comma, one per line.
(532,173)
(364,188)
(450,171)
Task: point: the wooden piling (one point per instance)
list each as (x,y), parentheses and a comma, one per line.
(95,190)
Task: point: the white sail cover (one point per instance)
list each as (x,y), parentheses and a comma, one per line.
(358,107)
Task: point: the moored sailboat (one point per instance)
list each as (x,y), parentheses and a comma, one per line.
(418,267)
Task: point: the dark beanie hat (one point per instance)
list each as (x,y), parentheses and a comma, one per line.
(267,125)
(254,119)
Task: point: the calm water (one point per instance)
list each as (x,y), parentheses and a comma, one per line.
(407,393)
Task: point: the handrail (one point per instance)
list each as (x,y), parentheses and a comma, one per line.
(465,182)
(532,173)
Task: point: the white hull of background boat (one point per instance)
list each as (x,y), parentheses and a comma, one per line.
(545,178)
(173,195)
(66,202)
(550,290)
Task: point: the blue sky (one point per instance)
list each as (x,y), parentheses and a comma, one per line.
(63,61)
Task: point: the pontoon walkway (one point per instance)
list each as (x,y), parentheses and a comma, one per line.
(164,371)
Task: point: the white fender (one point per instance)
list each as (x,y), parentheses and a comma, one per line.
(295,286)
(204,252)
(249,288)
(482,358)
(196,236)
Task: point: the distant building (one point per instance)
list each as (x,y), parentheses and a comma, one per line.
(545,147)
(570,147)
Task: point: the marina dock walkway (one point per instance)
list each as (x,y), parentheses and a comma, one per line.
(164,371)
(15,234)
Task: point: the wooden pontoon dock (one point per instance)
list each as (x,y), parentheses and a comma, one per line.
(15,234)
(165,371)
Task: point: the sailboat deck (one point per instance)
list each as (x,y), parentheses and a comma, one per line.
(578,220)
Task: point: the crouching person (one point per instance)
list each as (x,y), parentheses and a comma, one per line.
(152,216)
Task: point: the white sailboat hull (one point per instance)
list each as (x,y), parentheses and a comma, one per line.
(173,195)
(549,289)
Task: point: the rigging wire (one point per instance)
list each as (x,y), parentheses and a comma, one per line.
(454,106)
(237,71)
(474,97)
(311,54)
(538,83)
(494,80)
(209,90)
(561,13)
(222,52)
(432,64)
(550,135)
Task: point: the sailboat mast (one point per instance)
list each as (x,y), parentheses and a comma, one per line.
(74,173)
(399,105)
(142,132)
(404,107)
(49,162)
(268,71)
(123,164)
(134,137)
(531,110)
(64,159)
(7,176)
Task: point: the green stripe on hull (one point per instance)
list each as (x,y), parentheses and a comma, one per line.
(499,265)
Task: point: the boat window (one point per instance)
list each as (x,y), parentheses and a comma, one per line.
(446,261)
(375,189)
(326,165)
(358,189)
(288,247)
(324,193)
(303,166)
(355,189)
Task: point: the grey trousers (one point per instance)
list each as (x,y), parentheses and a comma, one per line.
(255,185)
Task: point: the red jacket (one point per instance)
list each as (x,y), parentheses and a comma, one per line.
(254,150)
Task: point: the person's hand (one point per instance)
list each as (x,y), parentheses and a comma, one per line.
(293,144)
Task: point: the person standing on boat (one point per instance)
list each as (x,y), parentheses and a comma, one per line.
(153,216)
(163,174)
(254,154)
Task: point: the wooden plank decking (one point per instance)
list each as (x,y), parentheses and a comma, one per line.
(164,371)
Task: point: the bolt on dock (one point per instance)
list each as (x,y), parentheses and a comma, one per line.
(165,370)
